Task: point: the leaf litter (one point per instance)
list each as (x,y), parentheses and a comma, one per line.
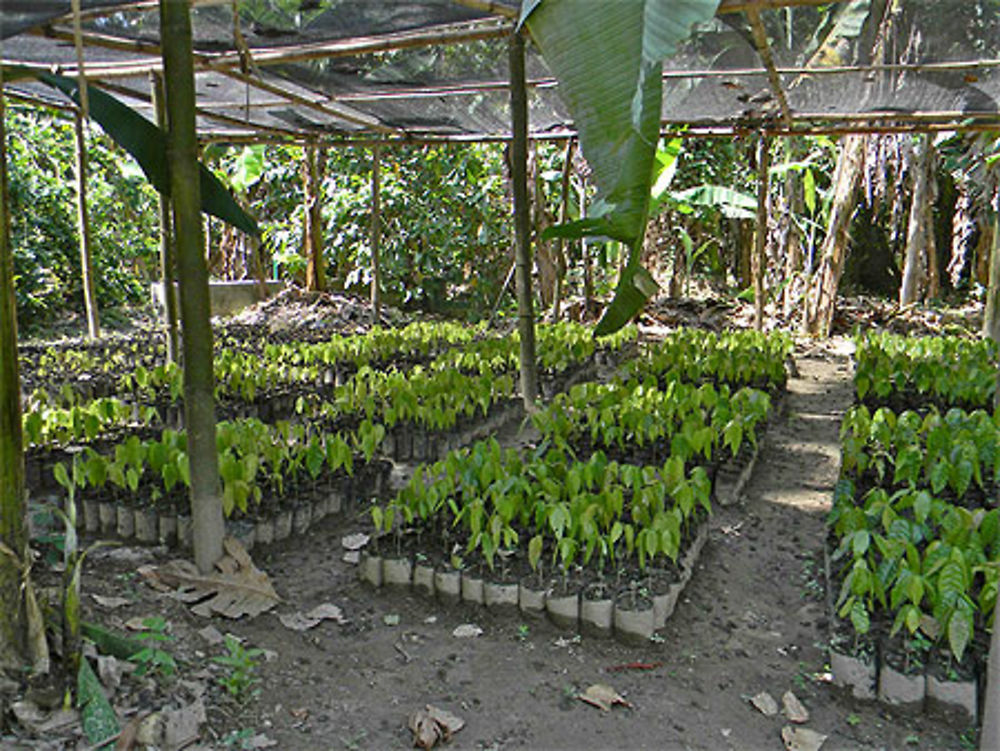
(303,622)
(432,724)
(237,589)
(603,697)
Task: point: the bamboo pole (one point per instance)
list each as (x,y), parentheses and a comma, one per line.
(759,34)
(13,505)
(522,237)
(760,236)
(166,239)
(199,401)
(376,238)
(83,229)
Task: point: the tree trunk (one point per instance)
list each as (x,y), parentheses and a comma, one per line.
(166,238)
(821,297)
(199,400)
(963,228)
(918,235)
(795,207)
(83,229)
(13,507)
(376,234)
(563,216)
(544,254)
(522,230)
(991,317)
(315,273)
(588,273)
(744,250)
(760,236)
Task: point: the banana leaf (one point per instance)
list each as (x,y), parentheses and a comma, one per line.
(148,145)
(607,57)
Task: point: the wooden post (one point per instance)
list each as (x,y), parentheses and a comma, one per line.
(315,274)
(83,229)
(199,400)
(376,238)
(522,237)
(13,505)
(760,237)
(166,238)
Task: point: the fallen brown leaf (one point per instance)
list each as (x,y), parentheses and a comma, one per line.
(432,724)
(801,739)
(239,588)
(603,697)
(765,704)
(794,709)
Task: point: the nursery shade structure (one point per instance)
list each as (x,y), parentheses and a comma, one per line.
(343,70)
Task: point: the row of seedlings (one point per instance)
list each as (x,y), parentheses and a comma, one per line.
(601,524)
(136,481)
(914,530)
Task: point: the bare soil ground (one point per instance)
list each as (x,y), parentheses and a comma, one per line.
(754,618)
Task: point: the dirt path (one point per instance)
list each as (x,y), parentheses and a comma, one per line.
(753,619)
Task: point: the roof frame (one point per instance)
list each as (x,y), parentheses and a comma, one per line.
(245,65)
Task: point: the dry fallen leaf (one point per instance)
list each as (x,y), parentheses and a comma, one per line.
(181,726)
(794,709)
(110,602)
(431,724)
(127,739)
(801,739)
(304,622)
(765,703)
(211,635)
(603,697)
(238,588)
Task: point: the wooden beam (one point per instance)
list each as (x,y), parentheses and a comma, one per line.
(356,118)
(740,6)
(764,50)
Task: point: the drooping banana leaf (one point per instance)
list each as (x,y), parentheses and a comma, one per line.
(148,145)
(607,57)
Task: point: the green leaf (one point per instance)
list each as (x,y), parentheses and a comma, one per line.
(635,287)
(732,203)
(607,59)
(148,145)
(62,476)
(859,617)
(100,724)
(959,631)
(809,195)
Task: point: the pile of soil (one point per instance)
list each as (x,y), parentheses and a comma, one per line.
(295,310)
